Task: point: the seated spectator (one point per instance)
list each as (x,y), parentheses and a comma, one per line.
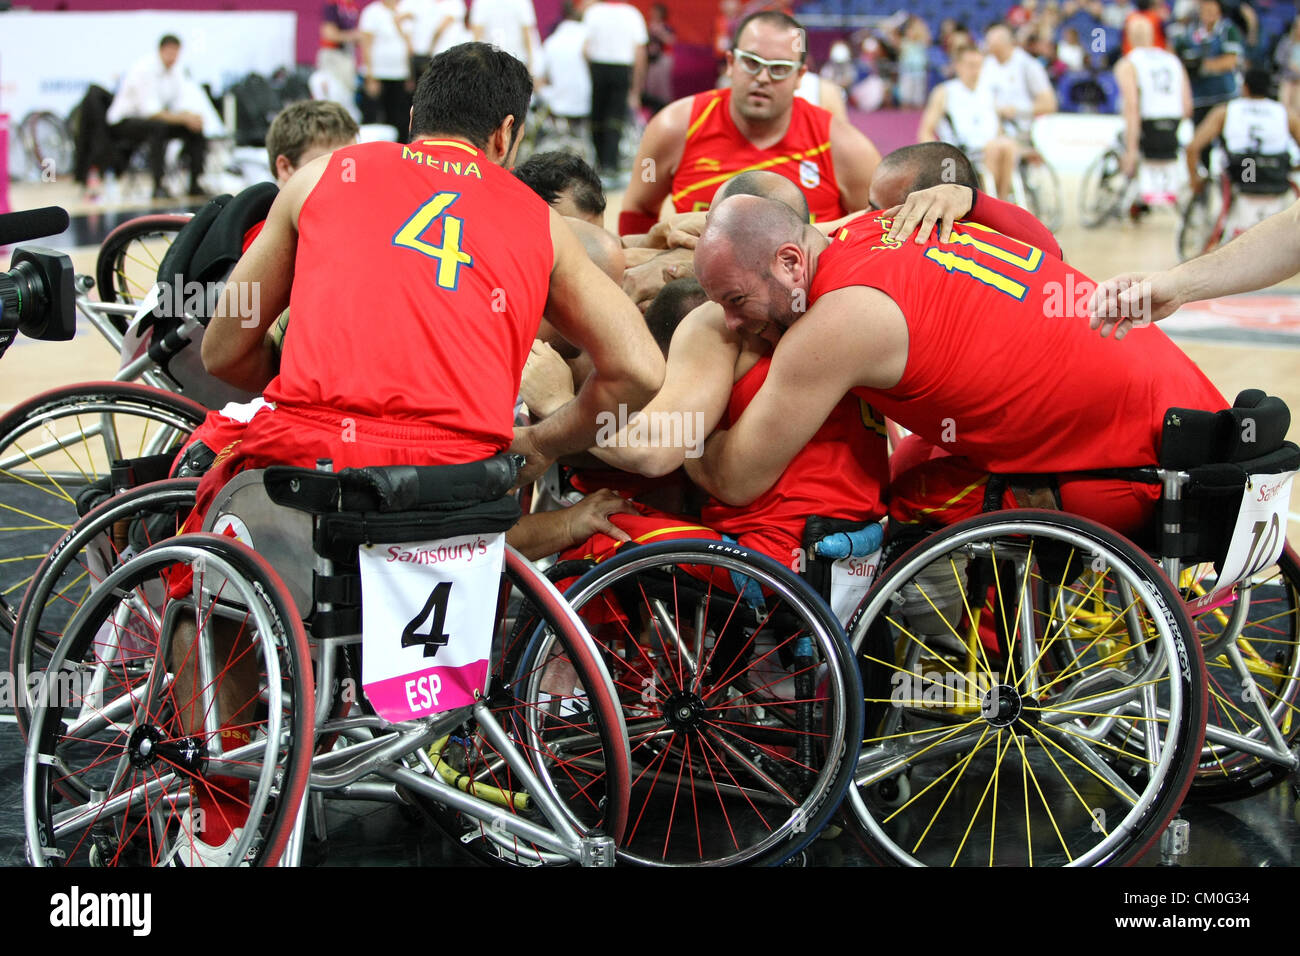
(157,103)
(913,64)
(1070,50)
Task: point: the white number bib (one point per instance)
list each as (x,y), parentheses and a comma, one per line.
(428,612)
(1259,535)
(850,581)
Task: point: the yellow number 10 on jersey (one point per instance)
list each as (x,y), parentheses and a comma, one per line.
(449,255)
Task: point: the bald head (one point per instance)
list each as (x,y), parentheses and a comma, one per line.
(768,185)
(748,229)
(1139,32)
(999,41)
(603,247)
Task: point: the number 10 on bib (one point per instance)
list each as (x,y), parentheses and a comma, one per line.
(427,616)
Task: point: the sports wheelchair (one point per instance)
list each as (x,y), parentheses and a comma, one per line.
(1040,691)
(57,445)
(132,735)
(1239,192)
(1035,185)
(1105,193)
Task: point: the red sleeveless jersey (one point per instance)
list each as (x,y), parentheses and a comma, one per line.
(1001,365)
(419,283)
(715,151)
(843,472)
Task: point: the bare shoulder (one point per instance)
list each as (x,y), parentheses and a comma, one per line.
(855,336)
(300,186)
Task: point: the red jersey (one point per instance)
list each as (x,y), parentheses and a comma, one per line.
(843,472)
(444,346)
(715,151)
(1001,365)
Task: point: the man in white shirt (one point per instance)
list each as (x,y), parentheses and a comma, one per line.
(150,106)
(386,63)
(1020,86)
(616,50)
(1156,95)
(962,112)
(507,24)
(566,87)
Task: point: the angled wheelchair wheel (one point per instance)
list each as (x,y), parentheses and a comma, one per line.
(1102,189)
(1043,192)
(1037,698)
(743,711)
(1204,217)
(58,448)
(102,541)
(130,256)
(1254,680)
(160,735)
(570,731)
(48,142)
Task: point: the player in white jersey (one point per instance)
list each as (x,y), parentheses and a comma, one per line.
(1257,132)
(1020,86)
(1156,95)
(961,111)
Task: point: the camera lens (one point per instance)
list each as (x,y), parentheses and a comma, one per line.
(23,294)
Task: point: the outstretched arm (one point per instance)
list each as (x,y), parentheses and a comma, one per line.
(850,337)
(1259,257)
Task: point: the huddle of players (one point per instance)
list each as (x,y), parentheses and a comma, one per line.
(716,363)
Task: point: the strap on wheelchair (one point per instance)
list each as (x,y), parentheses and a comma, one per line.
(1030,491)
(815,529)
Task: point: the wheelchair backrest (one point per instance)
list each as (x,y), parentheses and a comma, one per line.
(190,279)
(1260,174)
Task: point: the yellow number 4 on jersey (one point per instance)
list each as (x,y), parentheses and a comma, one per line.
(449,255)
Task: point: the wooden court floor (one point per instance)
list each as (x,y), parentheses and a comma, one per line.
(1250,345)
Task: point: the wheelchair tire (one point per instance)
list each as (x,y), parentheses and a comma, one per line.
(1043,193)
(1102,189)
(1059,712)
(54,446)
(1203,219)
(1269,650)
(101,541)
(581,760)
(128,261)
(742,750)
(121,740)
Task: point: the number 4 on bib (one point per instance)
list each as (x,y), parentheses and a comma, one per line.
(448,253)
(432,637)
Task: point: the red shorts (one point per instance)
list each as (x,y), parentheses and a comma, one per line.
(928,485)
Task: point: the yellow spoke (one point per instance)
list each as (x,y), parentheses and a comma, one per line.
(950,730)
(1046,806)
(1128,754)
(1068,782)
(963,764)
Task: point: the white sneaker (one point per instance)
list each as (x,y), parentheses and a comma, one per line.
(192,850)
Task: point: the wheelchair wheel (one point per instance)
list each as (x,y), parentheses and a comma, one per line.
(153,749)
(573,736)
(1043,192)
(100,542)
(1036,698)
(58,447)
(129,258)
(1200,229)
(48,142)
(1102,190)
(743,712)
(1258,673)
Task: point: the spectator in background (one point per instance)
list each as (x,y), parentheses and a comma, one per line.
(419,27)
(914,64)
(1154,12)
(1243,16)
(449,27)
(724,27)
(386,62)
(1287,58)
(616,50)
(1019,83)
(839,67)
(507,24)
(1021,13)
(659,61)
(339,35)
(1212,52)
(157,103)
(1070,50)
(566,79)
